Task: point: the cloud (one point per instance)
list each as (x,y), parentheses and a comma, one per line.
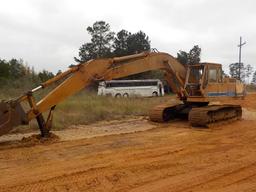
(47,34)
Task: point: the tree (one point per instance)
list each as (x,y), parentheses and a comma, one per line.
(138,42)
(121,46)
(190,58)
(104,43)
(59,72)
(15,73)
(86,52)
(248,72)
(127,43)
(45,75)
(254,78)
(182,57)
(4,69)
(101,42)
(235,72)
(17,68)
(194,55)
(240,72)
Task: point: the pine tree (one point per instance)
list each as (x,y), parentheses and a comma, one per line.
(254,78)
(235,72)
(101,42)
(190,58)
(121,43)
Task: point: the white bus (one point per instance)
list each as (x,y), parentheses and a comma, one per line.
(131,88)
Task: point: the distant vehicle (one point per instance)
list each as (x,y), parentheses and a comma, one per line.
(131,88)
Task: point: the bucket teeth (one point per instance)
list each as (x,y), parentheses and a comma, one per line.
(11,115)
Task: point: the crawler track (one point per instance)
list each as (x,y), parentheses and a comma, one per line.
(208,115)
(198,116)
(164,112)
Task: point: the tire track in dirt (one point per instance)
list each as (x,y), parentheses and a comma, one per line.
(199,178)
(58,182)
(202,180)
(172,157)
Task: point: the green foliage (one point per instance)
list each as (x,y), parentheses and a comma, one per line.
(4,69)
(101,42)
(104,43)
(254,78)
(248,71)
(242,74)
(127,43)
(194,55)
(190,58)
(16,74)
(182,57)
(121,43)
(12,69)
(45,75)
(138,42)
(235,72)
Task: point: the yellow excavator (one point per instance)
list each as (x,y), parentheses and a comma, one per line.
(195,86)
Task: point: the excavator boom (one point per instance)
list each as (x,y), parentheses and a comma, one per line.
(80,76)
(191,84)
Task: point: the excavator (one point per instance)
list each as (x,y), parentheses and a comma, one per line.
(195,86)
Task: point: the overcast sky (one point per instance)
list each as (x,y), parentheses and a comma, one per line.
(48,33)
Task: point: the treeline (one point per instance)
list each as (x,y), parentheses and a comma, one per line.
(242,72)
(15,73)
(106,43)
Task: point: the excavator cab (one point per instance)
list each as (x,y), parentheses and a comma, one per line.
(202,76)
(194,78)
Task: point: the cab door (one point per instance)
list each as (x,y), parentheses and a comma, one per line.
(214,86)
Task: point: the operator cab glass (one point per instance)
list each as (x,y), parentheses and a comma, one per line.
(194,79)
(200,76)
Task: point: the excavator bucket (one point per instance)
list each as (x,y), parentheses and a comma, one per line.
(11,115)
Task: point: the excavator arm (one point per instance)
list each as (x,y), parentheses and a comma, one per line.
(82,75)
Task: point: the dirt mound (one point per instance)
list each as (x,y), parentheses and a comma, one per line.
(28,141)
(38,139)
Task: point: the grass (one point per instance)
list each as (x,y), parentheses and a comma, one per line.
(86,108)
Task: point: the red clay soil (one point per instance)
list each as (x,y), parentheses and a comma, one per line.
(168,157)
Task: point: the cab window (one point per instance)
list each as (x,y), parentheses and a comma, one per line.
(212,75)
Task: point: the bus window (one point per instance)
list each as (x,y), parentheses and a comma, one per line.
(102,84)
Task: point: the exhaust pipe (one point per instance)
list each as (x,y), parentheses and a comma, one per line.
(11,115)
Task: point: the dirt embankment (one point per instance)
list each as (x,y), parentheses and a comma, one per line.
(150,157)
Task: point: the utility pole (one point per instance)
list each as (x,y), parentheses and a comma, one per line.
(240,52)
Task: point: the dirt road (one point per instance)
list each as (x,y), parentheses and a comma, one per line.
(155,157)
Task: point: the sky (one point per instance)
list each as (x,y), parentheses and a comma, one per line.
(47,34)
